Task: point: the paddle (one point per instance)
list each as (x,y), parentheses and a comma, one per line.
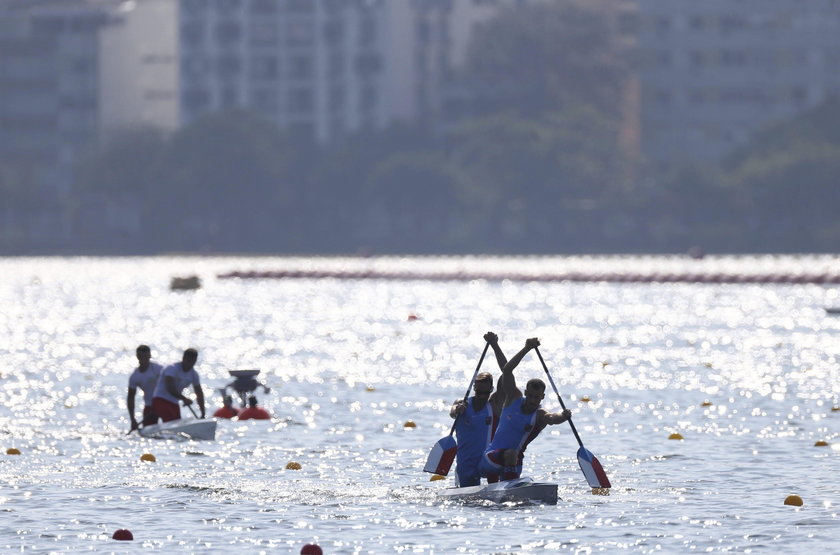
(443,453)
(191,409)
(591,467)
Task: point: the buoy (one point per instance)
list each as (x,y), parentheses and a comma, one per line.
(412,317)
(123,535)
(706,404)
(254,413)
(600,491)
(13,451)
(794,500)
(226,412)
(311,549)
(436,477)
(585,399)
(292,465)
(676,435)
(148,457)
(821,443)
(370,388)
(409,424)
(835,409)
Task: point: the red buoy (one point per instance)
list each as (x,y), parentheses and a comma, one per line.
(226,412)
(123,535)
(254,413)
(311,549)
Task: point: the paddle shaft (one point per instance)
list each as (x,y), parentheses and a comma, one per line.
(467,394)
(191,409)
(562,404)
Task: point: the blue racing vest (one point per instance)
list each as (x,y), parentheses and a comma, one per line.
(474,431)
(516,429)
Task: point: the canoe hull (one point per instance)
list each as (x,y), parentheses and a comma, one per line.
(192,428)
(519,490)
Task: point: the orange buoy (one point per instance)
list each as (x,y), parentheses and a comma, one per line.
(254,413)
(794,500)
(123,535)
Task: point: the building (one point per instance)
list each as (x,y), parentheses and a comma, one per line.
(714,72)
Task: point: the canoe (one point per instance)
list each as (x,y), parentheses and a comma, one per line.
(185,428)
(519,490)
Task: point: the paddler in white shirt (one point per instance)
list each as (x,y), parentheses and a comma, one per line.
(145,377)
(171,384)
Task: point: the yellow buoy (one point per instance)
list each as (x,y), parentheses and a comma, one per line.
(676,435)
(706,404)
(821,443)
(436,477)
(794,500)
(370,388)
(148,457)
(600,491)
(585,399)
(835,409)
(292,465)
(13,451)
(409,424)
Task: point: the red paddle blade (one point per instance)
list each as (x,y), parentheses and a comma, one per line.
(441,457)
(592,469)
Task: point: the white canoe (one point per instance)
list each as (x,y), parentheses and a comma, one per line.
(521,489)
(185,428)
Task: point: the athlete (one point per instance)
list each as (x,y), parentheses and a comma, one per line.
(521,421)
(171,384)
(476,420)
(145,377)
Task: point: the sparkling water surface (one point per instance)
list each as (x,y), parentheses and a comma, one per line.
(747,374)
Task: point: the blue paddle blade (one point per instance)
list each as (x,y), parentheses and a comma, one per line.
(592,469)
(441,457)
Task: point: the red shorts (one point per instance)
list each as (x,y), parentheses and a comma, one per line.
(166,410)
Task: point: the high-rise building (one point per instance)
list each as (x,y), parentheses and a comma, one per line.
(714,72)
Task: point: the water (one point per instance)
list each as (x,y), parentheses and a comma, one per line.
(349,367)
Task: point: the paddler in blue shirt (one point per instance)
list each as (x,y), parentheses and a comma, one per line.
(476,420)
(521,421)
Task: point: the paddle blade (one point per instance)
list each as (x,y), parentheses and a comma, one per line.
(441,457)
(592,469)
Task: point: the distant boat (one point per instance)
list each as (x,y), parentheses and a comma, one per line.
(521,489)
(832,310)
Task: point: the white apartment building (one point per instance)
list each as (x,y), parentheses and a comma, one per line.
(714,72)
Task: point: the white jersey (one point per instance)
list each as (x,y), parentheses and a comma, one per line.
(146,380)
(182,380)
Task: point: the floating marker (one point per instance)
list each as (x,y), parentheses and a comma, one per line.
(123,535)
(585,399)
(600,491)
(292,465)
(835,409)
(148,457)
(311,549)
(676,435)
(436,477)
(13,451)
(412,317)
(706,404)
(370,388)
(821,443)
(409,424)
(794,500)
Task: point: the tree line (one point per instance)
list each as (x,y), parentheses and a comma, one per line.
(533,163)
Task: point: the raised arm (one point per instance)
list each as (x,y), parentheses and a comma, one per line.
(555,417)
(493,340)
(509,388)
